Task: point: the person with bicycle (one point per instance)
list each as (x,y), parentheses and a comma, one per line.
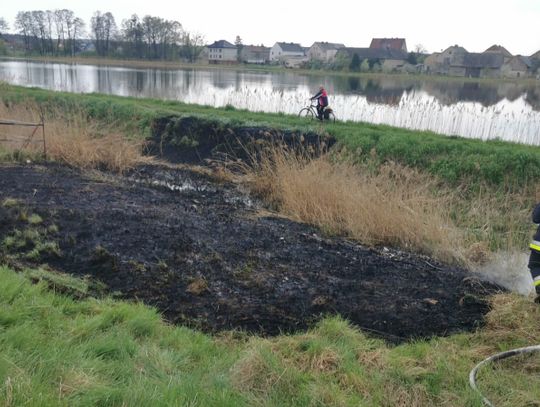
(322,101)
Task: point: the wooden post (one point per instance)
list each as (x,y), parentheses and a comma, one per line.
(42,116)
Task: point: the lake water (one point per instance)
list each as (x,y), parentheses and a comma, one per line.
(485,110)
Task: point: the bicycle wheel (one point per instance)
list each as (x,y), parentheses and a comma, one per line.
(331,117)
(306,112)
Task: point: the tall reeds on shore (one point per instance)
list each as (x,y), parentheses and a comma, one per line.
(71,138)
(392,204)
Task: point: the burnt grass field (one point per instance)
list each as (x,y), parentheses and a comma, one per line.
(208,255)
(205,254)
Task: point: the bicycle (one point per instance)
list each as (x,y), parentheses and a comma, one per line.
(310,112)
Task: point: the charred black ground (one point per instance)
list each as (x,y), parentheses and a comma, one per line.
(194,140)
(200,252)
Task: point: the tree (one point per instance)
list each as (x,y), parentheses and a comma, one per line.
(192,46)
(364,66)
(104,29)
(133,33)
(151,28)
(420,49)
(50,31)
(341,62)
(23,24)
(4,26)
(73,29)
(411,58)
(354,66)
(162,37)
(32,25)
(171,39)
(77,31)
(374,64)
(239,46)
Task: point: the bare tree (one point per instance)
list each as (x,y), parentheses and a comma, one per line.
(49,32)
(420,49)
(60,25)
(133,35)
(192,46)
(76,32)
(162,37)
(151,28)
(23,24)
(4,26)
(103,30)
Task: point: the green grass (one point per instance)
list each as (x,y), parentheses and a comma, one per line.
(453,159)
(55,351)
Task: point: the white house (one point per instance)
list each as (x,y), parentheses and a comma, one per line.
(284,51)
(222,52)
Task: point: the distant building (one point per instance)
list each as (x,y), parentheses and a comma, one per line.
(222,52)
(255,54)
(388,59)
(517,67)
(285,51)
(457,61)
(500,50)
(398,44)
(324,51)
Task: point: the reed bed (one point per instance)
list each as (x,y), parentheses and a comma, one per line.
(71,138)
(393,205)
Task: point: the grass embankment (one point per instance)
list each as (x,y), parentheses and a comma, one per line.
(453,159)
(485,188)
(59,351)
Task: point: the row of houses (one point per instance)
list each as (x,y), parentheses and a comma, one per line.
(495,62)
(390,54)
(293,54)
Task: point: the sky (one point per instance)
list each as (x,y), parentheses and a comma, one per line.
(436,25)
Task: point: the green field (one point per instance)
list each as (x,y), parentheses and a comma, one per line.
(56,351)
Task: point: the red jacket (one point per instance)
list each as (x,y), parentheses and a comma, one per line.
(322,97)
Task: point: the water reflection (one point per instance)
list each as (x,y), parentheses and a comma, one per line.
(509,111)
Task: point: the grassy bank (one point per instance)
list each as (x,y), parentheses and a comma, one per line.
(452,159)
(58,351)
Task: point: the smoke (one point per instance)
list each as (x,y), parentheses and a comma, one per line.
(508,270)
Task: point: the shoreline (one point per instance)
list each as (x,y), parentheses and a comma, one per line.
(141,64)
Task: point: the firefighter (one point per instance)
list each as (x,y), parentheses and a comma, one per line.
(534,260)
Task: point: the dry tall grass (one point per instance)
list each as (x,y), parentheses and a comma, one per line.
(394,205)
(71,138)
